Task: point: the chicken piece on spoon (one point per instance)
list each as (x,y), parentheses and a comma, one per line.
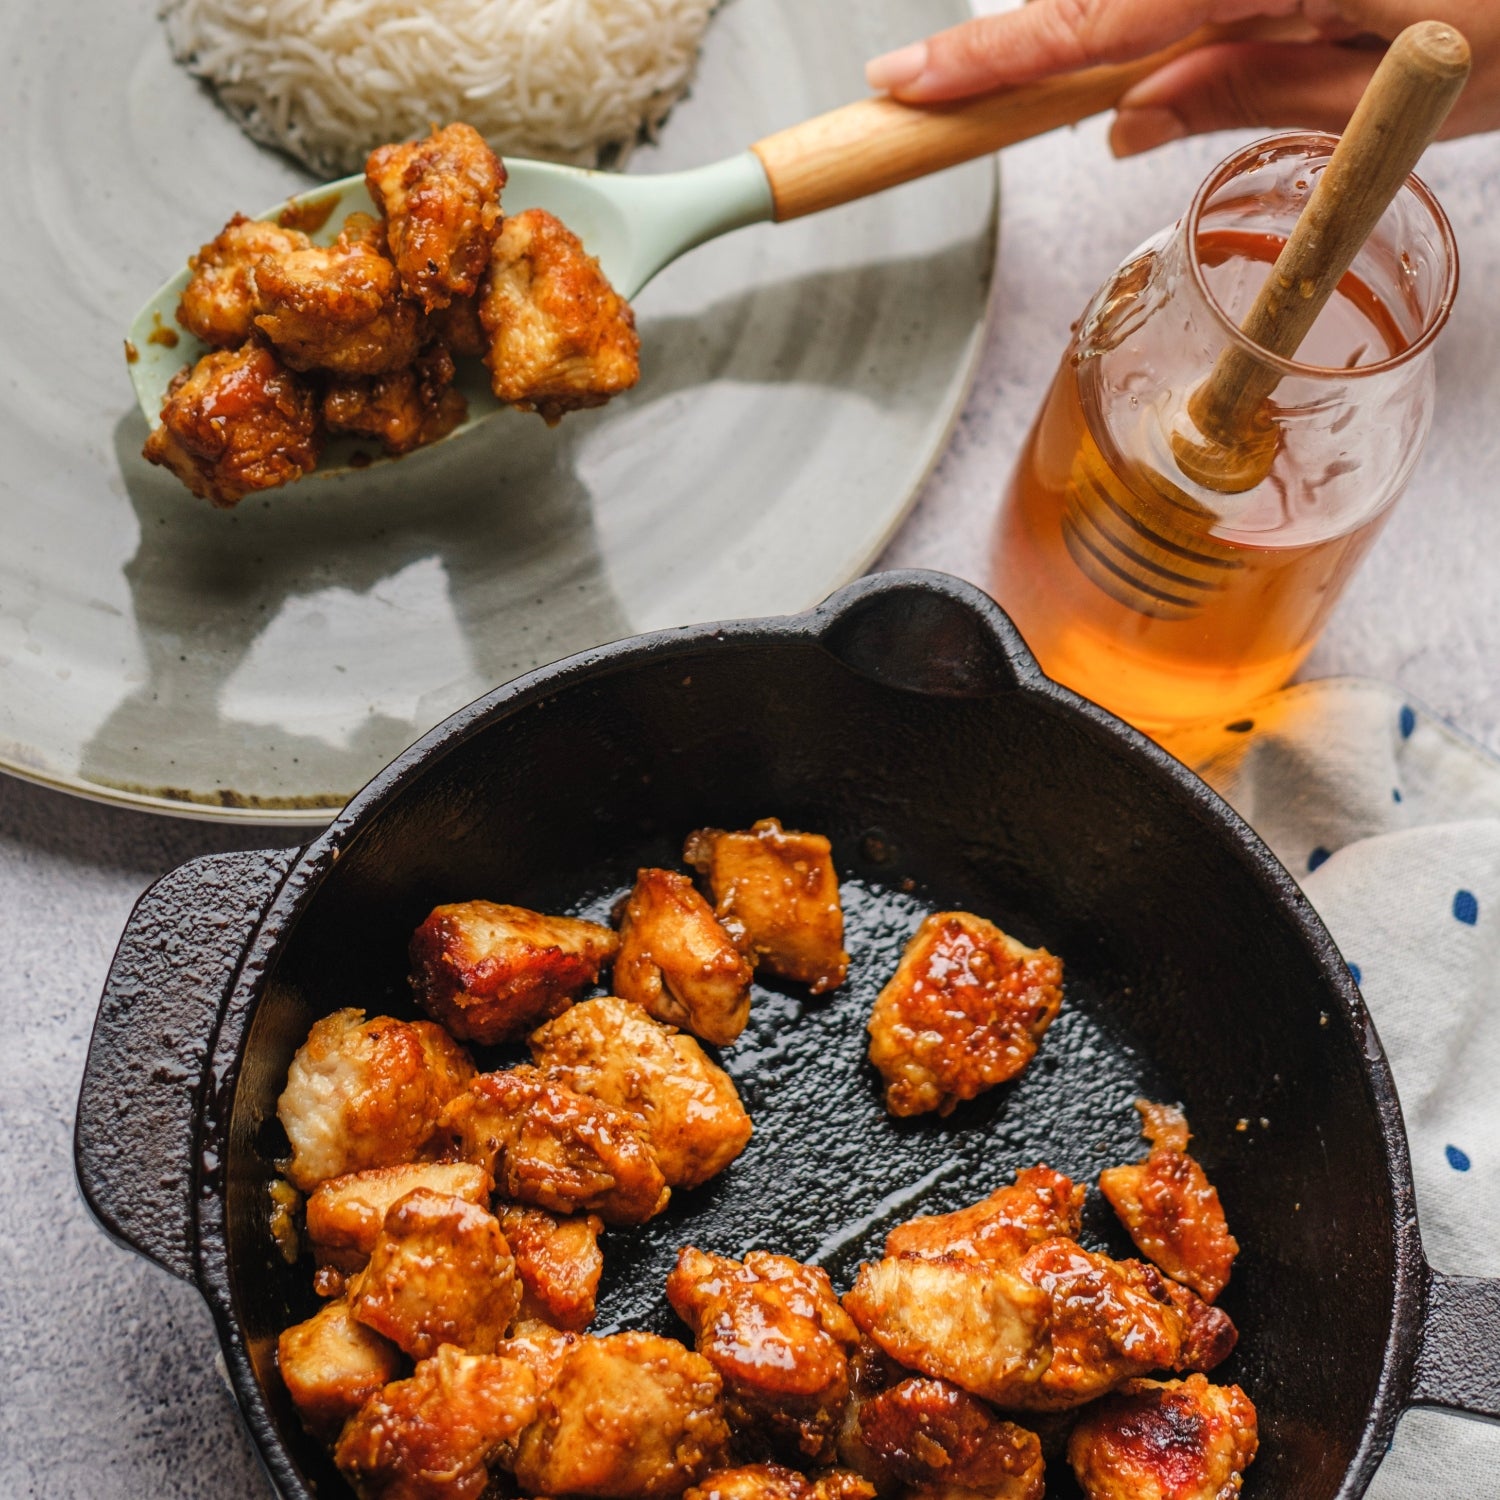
(678,961)
(493,973)
(441,201)
(549,1146)
(1171,1209)
(218,303)
(776,1334)
(611,1050)
(337,308)
(401,410)
(237,422)
(777,895)
(1165,1440)
(365,1094)
(560,337)
(963,1012)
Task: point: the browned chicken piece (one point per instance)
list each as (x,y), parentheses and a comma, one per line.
(331,1365)
(548,1146)
(540,1347)
(337,308)
(236,423)
(972,1322)
(776,1334)
(346,1214)
(1208,1333)
(932,1441)
(677,960)
(402,410)
(1039,1205)
(432,1437)
(777,895)
(964,1011)
(493,973)
(628,1415)
(1171,1440)
(366,1093)
(611,1050)
(218,303)
(773,1482)
(440,1273)
(441,201)
(559,1263)
(560,338)
(1110,1321)
(458,326)
(1171,1209)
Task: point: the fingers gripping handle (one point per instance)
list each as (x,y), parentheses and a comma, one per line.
(1458,1365)
(139,1103)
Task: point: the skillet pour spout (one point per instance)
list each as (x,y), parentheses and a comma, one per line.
(905,718)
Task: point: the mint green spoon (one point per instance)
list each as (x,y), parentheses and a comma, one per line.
(636,226)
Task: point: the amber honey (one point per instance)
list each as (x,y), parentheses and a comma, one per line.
(1164,602)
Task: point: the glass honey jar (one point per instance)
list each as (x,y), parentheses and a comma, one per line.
(1167,601)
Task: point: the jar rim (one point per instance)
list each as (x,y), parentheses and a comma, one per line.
(1321,145)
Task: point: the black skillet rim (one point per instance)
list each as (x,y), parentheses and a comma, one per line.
(214,1277)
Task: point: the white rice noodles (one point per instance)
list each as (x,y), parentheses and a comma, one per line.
(328,80)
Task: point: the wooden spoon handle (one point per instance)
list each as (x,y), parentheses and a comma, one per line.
(1398,117)
(876,144)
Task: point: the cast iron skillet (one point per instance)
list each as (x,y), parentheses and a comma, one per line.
(906,719)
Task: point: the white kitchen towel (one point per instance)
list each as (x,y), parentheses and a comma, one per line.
(1390,820)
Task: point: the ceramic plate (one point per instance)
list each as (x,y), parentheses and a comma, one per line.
(262,664)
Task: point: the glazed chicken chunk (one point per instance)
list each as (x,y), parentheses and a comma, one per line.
(964,1011)
(625,1416)
(1110,1321)
(611,1050)
(332,1364)
(559,1263)
(560,337)
(677,960)
(366,1093)
(218,303)
(776,1334)
(773,1482)
(777,895)
(433,1436)
(346,1214)
(440,1273)
(551,1147)
(1171,1440)
(401,410)
(932,1441)
(1039,1205)
(441,201)
(235,423)
(1171,1209)
(337,308)
(976,1324)
(492,973)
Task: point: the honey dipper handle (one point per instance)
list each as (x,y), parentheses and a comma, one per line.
(1399,116)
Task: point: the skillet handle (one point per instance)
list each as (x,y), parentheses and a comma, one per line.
(135,1134)
(927,633)
(1458,1364)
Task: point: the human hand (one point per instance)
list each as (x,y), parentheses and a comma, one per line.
(1313,82)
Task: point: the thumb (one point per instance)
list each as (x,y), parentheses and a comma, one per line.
(1278,86)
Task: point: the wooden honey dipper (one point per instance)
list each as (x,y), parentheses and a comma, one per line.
(1231,438)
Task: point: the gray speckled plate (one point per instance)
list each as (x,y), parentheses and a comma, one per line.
(263,664)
